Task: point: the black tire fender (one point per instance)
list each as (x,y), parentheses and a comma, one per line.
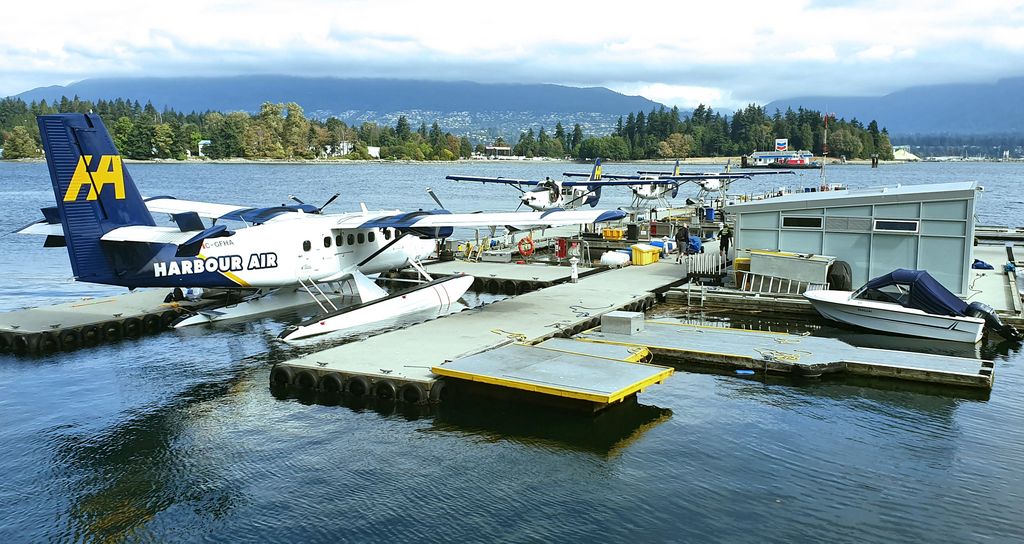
(21,344)
(69,339)
(167,318)
(48,342)
(151,323)
(132,327)
(412,393)
(112,331)
(357,386)
(439,391)
(385,389)
(305,379)
(90,335)
(281,376)
(332,383)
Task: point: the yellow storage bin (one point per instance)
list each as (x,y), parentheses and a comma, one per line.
(645,254)
(613,233)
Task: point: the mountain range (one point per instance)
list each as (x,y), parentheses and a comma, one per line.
(488,110)
(457,105)
(961,108)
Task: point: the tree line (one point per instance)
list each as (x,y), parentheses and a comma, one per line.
(276,131)
(282,131)
(665,134)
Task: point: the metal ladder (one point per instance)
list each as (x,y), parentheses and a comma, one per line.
(319,292)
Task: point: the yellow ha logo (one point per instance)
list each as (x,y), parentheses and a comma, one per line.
(108,172)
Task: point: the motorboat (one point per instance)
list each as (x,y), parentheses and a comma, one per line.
(911,303)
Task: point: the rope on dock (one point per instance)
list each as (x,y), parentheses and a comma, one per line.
(514,336)
(776,355)
(584,311)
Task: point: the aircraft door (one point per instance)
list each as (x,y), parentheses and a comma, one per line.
(312,256)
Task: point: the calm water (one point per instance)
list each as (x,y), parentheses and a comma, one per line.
(178,437)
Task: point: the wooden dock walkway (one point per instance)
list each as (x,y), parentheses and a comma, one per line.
(400,362)
(797,355)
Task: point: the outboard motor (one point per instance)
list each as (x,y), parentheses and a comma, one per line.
(992,321)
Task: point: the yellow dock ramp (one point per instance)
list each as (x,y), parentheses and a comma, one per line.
(561,368)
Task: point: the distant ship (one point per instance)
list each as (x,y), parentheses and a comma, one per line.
(780,159)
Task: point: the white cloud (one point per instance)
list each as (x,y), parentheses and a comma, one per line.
(731,52)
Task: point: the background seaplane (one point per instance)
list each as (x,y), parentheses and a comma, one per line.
(281,256)
(658,187)
(710,183)
(549,194)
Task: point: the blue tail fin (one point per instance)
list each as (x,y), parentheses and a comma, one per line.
(94,192)
(595,189)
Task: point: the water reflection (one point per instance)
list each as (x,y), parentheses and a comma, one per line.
(606,433)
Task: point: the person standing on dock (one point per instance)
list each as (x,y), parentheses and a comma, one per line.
(682,241)
(725,238)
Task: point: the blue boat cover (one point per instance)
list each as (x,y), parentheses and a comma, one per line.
(925,293)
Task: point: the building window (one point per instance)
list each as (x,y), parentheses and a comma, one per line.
(351,239)
(306,246)
(327,241)
(338,240)
(799,222)
(360,238)
(891,225)
(370,237)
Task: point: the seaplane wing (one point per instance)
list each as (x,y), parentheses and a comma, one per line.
(208,210)
(506,181)
(603,176)
(709,174)
(439,219)
(211,210)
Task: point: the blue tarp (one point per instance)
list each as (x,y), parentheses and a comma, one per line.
(695,244)
(925,293)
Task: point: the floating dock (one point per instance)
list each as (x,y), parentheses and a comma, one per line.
(89,322)
(796,355)
(561,368)
(400,363)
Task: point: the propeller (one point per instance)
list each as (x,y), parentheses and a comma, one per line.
(321,208)
(329,200)
(432,195)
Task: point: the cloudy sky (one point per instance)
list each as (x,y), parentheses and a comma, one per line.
(723,53)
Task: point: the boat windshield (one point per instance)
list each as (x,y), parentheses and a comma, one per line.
(895,294)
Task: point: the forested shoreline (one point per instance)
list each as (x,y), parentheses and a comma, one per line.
(284,132)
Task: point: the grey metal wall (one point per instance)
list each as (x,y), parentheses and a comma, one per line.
(941,245)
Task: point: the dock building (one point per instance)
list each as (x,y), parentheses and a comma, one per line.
(926,227)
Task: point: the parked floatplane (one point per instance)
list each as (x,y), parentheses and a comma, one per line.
(277,257)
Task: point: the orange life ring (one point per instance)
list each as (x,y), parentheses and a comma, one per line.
(526,246)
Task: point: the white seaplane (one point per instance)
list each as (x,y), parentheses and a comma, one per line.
(549,194)
(659,187)
(279,257)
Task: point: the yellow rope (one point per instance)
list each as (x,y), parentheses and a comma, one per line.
(514,336)
(776,355)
